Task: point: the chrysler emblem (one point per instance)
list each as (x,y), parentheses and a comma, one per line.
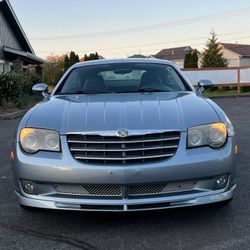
(122,133)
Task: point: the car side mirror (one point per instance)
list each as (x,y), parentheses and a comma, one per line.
(204,84)
(41,88)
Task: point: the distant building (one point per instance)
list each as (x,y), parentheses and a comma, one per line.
(175,55)
(16,52)
(236,54)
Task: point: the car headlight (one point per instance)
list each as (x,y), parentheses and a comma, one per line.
(32,140)
(213,135)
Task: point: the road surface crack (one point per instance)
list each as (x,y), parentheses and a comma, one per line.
(53,237)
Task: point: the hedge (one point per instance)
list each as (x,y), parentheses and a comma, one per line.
(14,85)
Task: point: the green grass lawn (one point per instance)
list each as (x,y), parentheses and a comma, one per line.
(221,92)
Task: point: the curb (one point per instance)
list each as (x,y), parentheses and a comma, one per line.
(13,115)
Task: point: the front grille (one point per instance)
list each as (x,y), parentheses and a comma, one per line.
(89,190)
(129,191)
(138,190)
(132,149)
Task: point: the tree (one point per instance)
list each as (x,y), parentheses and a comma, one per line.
(73,58)
(70,59)
(212,55)
(66,62)
(92,56)
(191,59)
(53,69)
(187,60)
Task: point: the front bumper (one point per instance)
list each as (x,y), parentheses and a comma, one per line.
(194,164)
(127,205)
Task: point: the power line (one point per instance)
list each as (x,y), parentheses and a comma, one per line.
(199,44)
(154,44)
(151,51)
(151,27)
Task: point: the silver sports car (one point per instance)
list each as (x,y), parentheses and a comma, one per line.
(124,135)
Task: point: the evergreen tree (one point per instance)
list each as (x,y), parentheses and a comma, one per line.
(212,55)
(66,63)
(77,59)
(195,59)
(73,58)
(187,60)
(191,59)
(92,56)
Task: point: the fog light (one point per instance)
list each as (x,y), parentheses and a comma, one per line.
(28,186)
(221,181)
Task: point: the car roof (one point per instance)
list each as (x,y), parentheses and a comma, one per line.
(125,60)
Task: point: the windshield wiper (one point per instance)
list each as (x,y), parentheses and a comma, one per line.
(83,92)
(148,89)
(94,92)
(71,93)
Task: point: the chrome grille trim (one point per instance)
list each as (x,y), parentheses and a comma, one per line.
(121,158)
(91,148)
(118,150)
(139,141)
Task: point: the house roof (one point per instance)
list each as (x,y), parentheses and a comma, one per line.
(29,57)
(173,53)
(241,49)
(15,25)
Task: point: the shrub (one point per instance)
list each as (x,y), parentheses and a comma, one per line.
(14,85)
(214,88)
(245,89)
(226,88)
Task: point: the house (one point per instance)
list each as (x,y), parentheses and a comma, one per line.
(16,53)
(236,54)
(175,55)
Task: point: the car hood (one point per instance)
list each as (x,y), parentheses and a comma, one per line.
(132,111)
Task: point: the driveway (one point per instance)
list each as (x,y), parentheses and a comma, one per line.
(205,227)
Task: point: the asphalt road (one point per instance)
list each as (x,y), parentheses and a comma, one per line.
(205,227)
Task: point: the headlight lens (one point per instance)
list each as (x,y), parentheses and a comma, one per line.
(213,135)
(32,140)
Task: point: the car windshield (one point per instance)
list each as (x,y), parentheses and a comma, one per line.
(122,78)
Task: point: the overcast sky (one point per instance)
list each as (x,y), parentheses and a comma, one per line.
(118,28)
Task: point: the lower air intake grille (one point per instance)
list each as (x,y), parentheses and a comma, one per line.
(132,149)
(138,190)
(118,191)
(89,190)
